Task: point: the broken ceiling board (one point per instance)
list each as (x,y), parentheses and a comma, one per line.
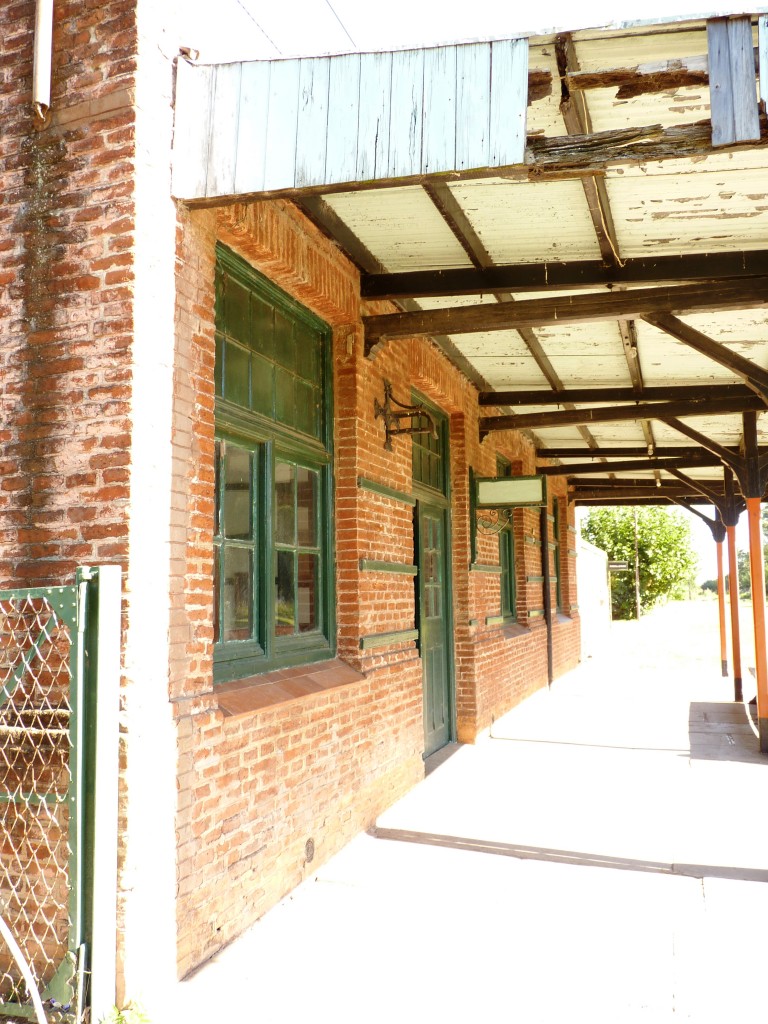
(401,227)
(680,106)
(544,116)
(710,211)
(607,50)
(262,126)
(521,222)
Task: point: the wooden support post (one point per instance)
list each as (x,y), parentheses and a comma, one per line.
(721,608)
(733,586)
(757,576)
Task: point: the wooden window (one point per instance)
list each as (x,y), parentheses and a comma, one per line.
(272,534)
(507,555)
(555,546)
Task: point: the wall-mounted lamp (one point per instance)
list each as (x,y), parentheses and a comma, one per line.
(392,418)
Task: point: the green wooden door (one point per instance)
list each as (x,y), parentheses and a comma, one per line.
(434,618)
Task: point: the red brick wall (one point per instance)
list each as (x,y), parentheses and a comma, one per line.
(255,787)
(66,224)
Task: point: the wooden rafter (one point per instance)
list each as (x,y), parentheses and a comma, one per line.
(629,465)
(625,451)
(666,411)
(526,277)
(650,394)
(453,214)
(578,308)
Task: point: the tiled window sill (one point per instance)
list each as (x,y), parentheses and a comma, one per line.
(284,686)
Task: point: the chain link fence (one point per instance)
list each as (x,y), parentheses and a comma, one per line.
(36,675)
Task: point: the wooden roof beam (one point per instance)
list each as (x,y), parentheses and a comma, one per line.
(499,398)
(666,411)
(629,465)
(525,277)
(624,451)
(567,309)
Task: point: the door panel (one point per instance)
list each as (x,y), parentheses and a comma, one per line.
(434,640)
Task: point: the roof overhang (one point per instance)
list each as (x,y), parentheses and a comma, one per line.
(579,219)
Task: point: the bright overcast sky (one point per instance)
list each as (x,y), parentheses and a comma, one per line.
(255,29)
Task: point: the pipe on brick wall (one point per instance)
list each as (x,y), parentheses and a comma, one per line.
(42,63)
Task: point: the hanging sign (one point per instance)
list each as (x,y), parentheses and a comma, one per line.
(510,492)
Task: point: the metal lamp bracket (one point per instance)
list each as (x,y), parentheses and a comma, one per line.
(493,520)
(392,417)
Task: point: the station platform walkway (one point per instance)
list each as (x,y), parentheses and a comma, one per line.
(602,857)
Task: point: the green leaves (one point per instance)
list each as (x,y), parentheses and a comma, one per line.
(665,557)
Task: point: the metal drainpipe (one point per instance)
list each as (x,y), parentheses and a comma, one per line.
(544,531)
(43,59)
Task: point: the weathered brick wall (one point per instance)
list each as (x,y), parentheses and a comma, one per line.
(255,787)
(66,224)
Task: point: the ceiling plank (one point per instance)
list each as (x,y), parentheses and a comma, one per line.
(708,347)
(524,277)
(616,414)
(650,394)
(578,308)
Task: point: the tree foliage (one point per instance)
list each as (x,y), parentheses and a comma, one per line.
(666,559)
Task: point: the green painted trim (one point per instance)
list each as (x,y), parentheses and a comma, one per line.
(371,565)
(495,620)
(474,622)
(387,492)
(532,540)
(399,636)
(485,567)
(534,579)
(536,613)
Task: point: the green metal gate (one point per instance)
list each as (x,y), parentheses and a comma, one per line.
(42,805)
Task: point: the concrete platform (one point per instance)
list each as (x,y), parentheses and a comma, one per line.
(601,857)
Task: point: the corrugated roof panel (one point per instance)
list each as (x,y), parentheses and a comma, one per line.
(704,212)
(527,222)
(401,227)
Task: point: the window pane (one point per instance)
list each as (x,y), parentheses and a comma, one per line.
(307,593)
(216,593)
(238,594)
(237,493)
(237,363)
(306,504)
(285,611)
(262,373)
(285,526)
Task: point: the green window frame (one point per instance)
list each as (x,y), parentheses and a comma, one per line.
(555,545)
(273,558)
(507,580)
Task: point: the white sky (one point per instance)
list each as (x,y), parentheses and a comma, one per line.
(231,30)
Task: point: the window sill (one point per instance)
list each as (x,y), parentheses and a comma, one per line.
(255,693)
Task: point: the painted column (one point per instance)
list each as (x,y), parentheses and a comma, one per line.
(733,587)
(721,608)
(757,576)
